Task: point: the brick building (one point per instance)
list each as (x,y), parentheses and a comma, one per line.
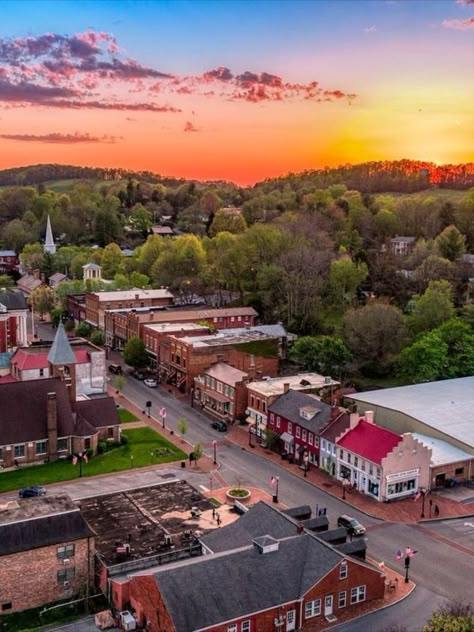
(8,261)
(222,391)
(182,359)
(298,418)
(121,325)
(13,317)
(285,579)
(76,307)
(31,363)
(262,393)
(381,463)
(46,553)
(152,334)
(97,303)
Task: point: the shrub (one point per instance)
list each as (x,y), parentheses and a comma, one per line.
(83,330)
(124,439)
(102,447)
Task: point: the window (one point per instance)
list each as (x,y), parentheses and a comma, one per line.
(87,443)
(232,319)
(65,574)
(252,402)
(290,427)
(272,417)
(232,627)
(459,471)
(310,438)
(371,470)
(298,432)
(341,454)
(41,447)
(19,451)
(219,387)
(356,461)
(348,457)
(342,599)
(362,465)
(312,608)
(41,372)
(278,422)
(264,406)
(7,606)
(358,594)
(1,455)
(343,571)
(378,472)
(66,551)
(62,445)
(323,444)
(245,626)
(303,435)
(110,432)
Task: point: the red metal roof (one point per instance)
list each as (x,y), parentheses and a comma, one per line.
(7,379)
(369,441)
(25,360)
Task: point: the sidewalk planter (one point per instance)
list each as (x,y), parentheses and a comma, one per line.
(242,495)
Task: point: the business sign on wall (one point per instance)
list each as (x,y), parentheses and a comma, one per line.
(402,475)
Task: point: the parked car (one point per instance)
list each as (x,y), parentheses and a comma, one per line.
(31,492)
(221,426)
(352,525)
(115,368)
(138,375)
(151,382)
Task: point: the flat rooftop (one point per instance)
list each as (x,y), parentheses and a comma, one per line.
(300,382)
(224,338)
(31,508)
(442,453)
(142,517)
(446,405)
(175,327)
(131,295)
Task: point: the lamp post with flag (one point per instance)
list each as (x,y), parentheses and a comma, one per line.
(274,483)
(421,492)
(81,457)
(409,553)
(163,416)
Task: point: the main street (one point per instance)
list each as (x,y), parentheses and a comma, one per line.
(439,569)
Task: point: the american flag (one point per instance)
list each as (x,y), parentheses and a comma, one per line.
(84,458)
(417,496)
(74,460)
(410,552)
(398,555)
(273,481)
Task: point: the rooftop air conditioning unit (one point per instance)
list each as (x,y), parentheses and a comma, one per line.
(327,380)
(66,560)
(66,584)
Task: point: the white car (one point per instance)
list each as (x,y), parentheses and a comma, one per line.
(151,382)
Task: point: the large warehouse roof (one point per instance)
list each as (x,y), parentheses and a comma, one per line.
(447,405)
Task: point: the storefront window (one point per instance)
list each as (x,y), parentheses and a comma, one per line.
(373,488)
(402,487)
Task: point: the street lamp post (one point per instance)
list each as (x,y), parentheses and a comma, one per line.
(214,445)
(148,408)
(306,465)
(423,494)
(80,456)
(407,565)
(275,495)
(345,483)
(163,416)
(250,437)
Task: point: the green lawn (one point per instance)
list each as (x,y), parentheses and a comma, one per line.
(126,416)
(140,451)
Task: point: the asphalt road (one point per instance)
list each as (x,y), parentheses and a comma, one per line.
(440,570)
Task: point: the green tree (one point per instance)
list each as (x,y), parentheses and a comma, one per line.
(198,452)
(433,307)
(6,281)
(135,354)
(141,218)
(325,354)
(456,616)
(374,332)
(386,224)
(32,257)
(111,260)
(182,426)
(228,222)
(345,276)
(424,360)
(451,243)
(97,337)
(42,300)
(16,234)
(149,253)
(119,383)
(434,268)
(83,330)
(107,224)
(467,314)
(459,338)
(139,280)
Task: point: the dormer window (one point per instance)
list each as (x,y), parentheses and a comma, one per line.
(308,412)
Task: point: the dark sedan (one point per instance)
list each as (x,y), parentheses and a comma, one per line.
(32,492)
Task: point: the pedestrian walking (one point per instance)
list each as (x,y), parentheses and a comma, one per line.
(213,513)
(218,520)
(436,511)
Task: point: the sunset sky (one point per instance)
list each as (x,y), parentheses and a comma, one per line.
(235,90)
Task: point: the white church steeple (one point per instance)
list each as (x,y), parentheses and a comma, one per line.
(49,245)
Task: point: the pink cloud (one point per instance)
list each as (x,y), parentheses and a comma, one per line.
(459,25)
(58,138)
(189,127)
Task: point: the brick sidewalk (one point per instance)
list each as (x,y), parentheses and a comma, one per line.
(405,510)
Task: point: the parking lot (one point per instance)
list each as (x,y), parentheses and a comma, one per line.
(460,530)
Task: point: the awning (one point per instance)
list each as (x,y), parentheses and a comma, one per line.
(217,397)
(287,438)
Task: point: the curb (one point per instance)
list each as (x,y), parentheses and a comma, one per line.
(361,616)
(436,520)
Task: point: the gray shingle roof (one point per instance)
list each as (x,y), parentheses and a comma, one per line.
(13,299)
(219,588)
(61,352)
(259,521)
(289,404)
(45,531)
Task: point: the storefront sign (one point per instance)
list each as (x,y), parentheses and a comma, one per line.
(402,475)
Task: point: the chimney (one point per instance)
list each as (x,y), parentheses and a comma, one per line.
(36,274)
(137,297)
(43,277)
(220,357)
(286,387)
(354,420)
(369,416)
(52,427)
